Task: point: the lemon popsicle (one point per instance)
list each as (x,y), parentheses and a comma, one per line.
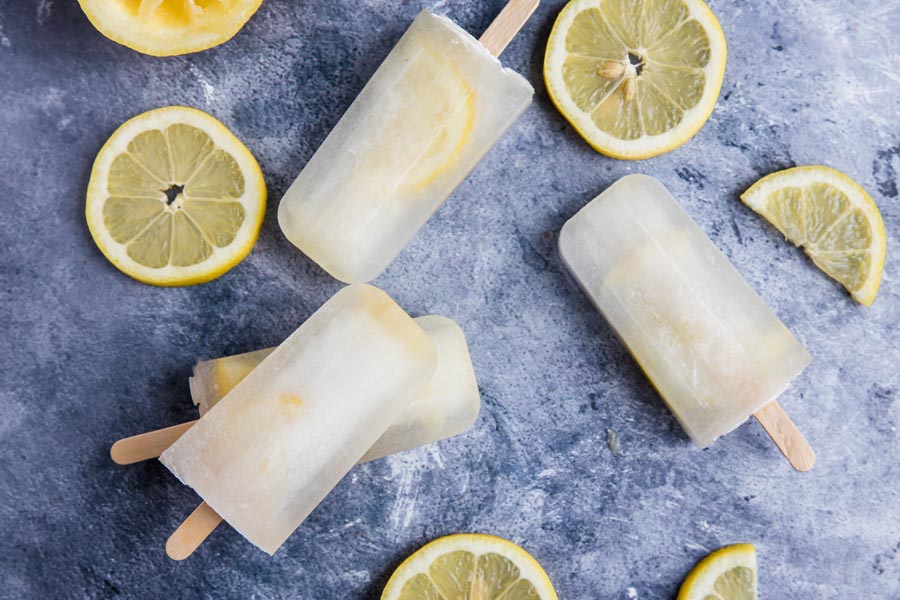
(709,344)
(271,450)
(434,107)
(446,407)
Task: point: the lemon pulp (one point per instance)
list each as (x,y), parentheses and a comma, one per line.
(174,198)
(835,221)
(636,78)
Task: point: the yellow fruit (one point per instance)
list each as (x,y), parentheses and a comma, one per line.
(636,78)
(835,221)
(729,573)
(469,566)
(174,198)
(169,27)
(430,91)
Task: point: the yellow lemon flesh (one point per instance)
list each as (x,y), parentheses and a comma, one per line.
(469,567)
(729,573)
(174,198)
(169,27)
(835,221)
(636,78)
(426,129)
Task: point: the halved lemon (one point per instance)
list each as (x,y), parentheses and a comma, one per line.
(729,573)
(832,217)
(636,78)
(169,27)
(426,129)
(174,198)
(469,566)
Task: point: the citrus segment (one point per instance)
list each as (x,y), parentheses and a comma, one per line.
(175,198)
(835,221)
(469,567)
(636,78)
(169,27)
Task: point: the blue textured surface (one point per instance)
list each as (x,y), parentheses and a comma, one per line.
(90,356)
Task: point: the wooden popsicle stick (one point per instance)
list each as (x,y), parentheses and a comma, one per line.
(786,436)
(147,445)
(191,533)
(500,33)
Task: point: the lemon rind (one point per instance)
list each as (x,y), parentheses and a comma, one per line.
(222,259)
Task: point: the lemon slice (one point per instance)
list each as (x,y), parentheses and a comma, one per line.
(174,198)
(729,573)
(169,27)
(835,221)
(425,131)
(469,566)
(636,78)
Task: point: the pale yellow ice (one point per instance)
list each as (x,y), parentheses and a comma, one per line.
(436,105)
(447,406)
(273,447)
(715,352)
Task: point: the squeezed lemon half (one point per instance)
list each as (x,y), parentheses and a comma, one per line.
(729,573)
(169,27)
(636,78)
(832,217)
(469,567)
(174,198)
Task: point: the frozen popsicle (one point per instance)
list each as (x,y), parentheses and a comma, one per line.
(446,407)
(268,453)
(715,352)
(434,107)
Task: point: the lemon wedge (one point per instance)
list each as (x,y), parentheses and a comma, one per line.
(636,78)
(469,566)
(729,573)
(426,129)
(832,217)
(174,198)
(169,27)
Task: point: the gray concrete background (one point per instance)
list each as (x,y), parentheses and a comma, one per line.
(89,355)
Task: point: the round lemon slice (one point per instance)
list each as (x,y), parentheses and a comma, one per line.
(174,198)
(729,573)
(476,566)
(832,217)
(635,79)
(169,27)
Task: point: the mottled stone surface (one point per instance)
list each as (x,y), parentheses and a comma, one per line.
(90,356)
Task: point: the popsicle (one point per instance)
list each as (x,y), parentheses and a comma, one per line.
(709,344)
(446,407)
(431,111)
(268,453)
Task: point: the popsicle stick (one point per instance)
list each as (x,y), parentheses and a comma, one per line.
(191,533)
(786,436)
(500,33)
(147,445)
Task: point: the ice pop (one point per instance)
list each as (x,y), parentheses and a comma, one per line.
(447,406)
(715,352)
(271,450)
(434,107)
